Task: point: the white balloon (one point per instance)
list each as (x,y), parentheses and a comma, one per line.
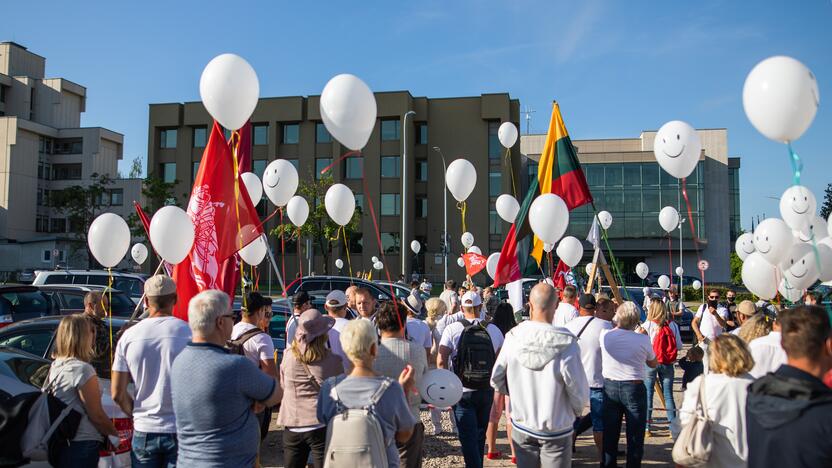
(588,269)
(642,270)
(460,262)
(461,178)
(507,207)
(253,186)
(340,203)
(817,230)
(298,210)
(669,218)
(664,282)
(339,264)
(440,388)
(677,147)
(760,276)
(491,264)
(108,239)
(697,285)
(799,267)
(467,240)
(229,89)
(415,246)
(797,207)
(172,233)
(744,245)
(139,253)
(772,240)
(547,247)
(374,259)
(825,252)
(605,218)
(570,251)
(280,181)
(781,98)
(789,292)
(378,265)
(348,109)
(507,134)
(254,252)
(474,249)
(549,217)
(680,271)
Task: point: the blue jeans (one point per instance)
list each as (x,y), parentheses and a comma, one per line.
(151,450)
(471,415)
(595,418)
(665,373)
(628,399)
(79,454)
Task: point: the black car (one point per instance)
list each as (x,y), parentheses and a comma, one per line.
(329,283)
(20,371)
(70,298)
(35,336)
(20,302)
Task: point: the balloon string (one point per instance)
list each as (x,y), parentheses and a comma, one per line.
(797,164)
(282,246)
(692,224)
(615,269)
(267,218)
(669,257)
(108,311)
(344,156)
(462,207)
(300,260)
(346,247)
(510,171)
(235,145)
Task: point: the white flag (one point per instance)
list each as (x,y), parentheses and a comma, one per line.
(594,235)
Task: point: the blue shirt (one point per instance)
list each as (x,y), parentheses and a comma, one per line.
(213,392)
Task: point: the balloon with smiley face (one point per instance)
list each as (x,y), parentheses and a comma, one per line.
(817,230)
(797,207)
(789,292)
(800,266)
(772,240)
(744,245)
(760,276)
(280,181)
(440,388)
(825,252)
(677,148)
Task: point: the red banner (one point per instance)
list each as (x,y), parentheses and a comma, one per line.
(474,263)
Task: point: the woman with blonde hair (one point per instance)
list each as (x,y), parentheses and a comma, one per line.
(657,320)
(724,392)
(72,380)
(755,327)
(437,309)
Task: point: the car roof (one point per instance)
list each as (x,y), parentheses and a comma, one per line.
(79,287)
(91,272)
(54,320)
(17,287)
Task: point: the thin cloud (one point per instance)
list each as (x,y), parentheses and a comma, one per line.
(578,28)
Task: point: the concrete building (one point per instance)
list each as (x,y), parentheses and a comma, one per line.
(626,180)
(44,149)
(291,128)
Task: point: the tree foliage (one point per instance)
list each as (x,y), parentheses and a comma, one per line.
(736,269)
(826,208)
(81,204)
(135,168)
(157,194)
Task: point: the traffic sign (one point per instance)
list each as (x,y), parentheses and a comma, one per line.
(703,265)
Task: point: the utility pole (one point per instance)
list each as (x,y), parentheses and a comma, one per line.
(404,244)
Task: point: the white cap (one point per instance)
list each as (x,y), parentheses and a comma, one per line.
(336,298)
(425,286)
(471,299)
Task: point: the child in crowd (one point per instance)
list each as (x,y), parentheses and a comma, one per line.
(692,365)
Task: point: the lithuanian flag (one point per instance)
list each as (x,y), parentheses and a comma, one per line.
(558,172)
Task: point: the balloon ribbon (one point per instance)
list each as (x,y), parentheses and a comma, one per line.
(282,246)
(462,207)
(346,247)
(797,164)
(510,171)
(235,145)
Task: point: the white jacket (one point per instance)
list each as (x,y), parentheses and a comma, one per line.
(540,367)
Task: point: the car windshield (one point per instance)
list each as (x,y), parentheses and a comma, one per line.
(129,286)
(122,305)
(23,368)
(23,301)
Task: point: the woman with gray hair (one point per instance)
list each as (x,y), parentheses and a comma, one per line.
(624,352)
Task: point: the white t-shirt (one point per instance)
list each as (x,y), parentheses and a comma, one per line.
(418,332)
(291,326)
(768,354)
(450,298)
(146,351)
(708,324)
(259,347)
(590,345)
(564,314)
(624,354)
(452,333)
(652,330)
(446,320)
(335,341)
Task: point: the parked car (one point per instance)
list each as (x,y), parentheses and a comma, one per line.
(400,290)
(70,298)
(20,302)
(20,372)
(131,283)
(36,337)
(26,276)
(329,283)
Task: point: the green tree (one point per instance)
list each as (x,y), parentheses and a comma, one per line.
(826,208)
(319,226)
(81,204)
(135,168)
(157,194)
(736,269)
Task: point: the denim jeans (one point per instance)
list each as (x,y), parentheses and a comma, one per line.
(665,373)
(628,399)
(471,415)
(79,454)
(595,417)
(152,450)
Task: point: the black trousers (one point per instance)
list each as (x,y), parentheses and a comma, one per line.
(297,445)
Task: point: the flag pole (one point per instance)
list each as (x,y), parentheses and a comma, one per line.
(274,266)
(141,300)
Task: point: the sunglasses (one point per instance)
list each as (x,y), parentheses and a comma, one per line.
(231,316)
(713,298)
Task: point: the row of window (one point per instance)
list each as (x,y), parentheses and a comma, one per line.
(53,225)
(61,146)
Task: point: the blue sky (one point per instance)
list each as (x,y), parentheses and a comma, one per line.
(616,67)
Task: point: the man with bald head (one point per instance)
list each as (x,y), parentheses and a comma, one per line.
(540,367)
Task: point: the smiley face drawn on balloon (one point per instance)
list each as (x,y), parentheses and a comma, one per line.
(744,245)
(280,181)
(677,148)
(799,267)
(797,207)
(816,230)
(773,239)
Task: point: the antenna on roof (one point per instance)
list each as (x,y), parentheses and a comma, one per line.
(528,111)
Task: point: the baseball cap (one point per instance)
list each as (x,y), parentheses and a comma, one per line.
(587,301)
(336,298)
(471,299)
(159,285)
(255,300)
(747,308)
(300,298)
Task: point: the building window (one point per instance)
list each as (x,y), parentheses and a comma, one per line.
(116,197)
(47,256)
(194,170)
(421,207)
(354,168)
(391,130)
(45,145)
(258,166)
(40,197)
(421,170)
(359,202)
(421,133)
(167,138)
(291,134)
(495,223)
(293,162)
(322,134)
(168,171)
(613,175)
(200,137)
(57,225)
(320,165)
(594,175)
(495,184)
(66,171)
(391,204)
(494,147)
(42,224)
(390,242)
(69,146)
(261,134)
(391,166)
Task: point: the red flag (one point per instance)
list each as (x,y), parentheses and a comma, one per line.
(243,148)
(143,217)
(559,276)
(474,263)
(224,219)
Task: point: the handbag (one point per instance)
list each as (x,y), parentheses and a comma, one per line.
(695,442)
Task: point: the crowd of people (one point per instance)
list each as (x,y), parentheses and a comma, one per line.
(345,392)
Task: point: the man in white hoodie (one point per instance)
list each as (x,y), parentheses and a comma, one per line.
(540,368)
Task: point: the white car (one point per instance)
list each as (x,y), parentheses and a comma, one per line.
(131,284)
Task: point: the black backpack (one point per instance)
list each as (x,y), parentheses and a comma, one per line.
(475,356)
(236,346)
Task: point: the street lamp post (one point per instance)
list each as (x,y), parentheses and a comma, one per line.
(445,202)
(404,241)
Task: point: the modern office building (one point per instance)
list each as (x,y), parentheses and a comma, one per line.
(404,149)
(44,149)
(626,180)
